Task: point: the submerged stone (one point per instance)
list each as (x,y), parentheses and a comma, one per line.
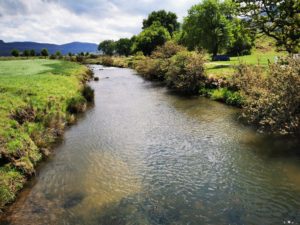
(73,200)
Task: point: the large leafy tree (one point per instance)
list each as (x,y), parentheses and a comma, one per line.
(208,26)
(123,46)
(243,38)
(279,19)
(107,47)
(166,19)
(150,38)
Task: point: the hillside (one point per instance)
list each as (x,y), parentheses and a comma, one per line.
(74,47)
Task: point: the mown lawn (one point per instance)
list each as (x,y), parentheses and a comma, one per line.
(263,53)
(34,94)
(227,68)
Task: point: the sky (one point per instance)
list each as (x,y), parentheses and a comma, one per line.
(63,21)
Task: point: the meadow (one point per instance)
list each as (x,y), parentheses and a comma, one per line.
(34,98)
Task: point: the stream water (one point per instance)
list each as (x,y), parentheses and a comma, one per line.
(143,155)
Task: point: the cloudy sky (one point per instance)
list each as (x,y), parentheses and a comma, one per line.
(62,21)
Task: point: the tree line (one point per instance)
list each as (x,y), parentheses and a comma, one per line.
(45,53)
(215,26)
(27,53)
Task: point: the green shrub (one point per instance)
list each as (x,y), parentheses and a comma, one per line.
(207,92)
(227,96)
(186,72)
(219,94)
(234,98)
(272,101)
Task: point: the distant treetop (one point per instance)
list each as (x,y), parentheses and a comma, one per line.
(166,19)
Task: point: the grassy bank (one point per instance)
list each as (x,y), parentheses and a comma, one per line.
(38,97)
(267,92)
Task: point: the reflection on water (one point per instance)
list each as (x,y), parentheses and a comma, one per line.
(145,156)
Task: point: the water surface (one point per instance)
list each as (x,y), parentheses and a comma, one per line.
(143,155)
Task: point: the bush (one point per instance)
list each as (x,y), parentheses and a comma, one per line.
(52,56)
(92,56)
(120,62)
(152,69)
(168,50)
(107,61)
(234,98)
(227,96)
(186,72)
(79,58)
(272,101)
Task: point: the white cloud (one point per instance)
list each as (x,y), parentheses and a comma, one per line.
(62,21)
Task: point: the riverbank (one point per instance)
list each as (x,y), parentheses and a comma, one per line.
(143,155)
(265,92)
(217,75)
(38,99)
(215,86)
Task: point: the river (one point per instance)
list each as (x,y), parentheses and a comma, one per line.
(143,155)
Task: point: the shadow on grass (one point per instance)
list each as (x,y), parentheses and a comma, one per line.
(220,67)
(57,68)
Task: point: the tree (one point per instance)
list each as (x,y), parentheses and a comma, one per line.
(58,54)
(150,38)
(167,19)
(107,47)
(123,46)
(15,53)
(207,26)
(275,18)
(32,52)
(26,53)
(44,52)
(243,38)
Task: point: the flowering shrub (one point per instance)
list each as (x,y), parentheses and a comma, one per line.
(273,99)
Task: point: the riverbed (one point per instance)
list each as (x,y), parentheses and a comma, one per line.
(144,155)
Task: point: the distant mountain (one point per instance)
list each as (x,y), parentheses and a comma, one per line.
(74,47)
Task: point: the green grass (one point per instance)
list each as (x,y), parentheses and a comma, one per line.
(34,96)
(263,53)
